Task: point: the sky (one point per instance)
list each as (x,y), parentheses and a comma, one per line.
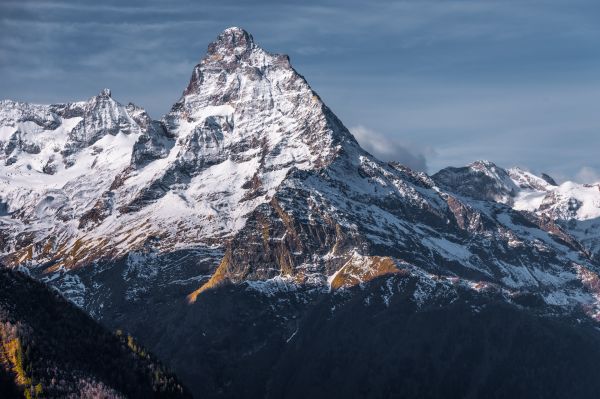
(431,83)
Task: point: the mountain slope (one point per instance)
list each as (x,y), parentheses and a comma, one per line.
(399,335)
(473,346)
(49,348)
(574,207)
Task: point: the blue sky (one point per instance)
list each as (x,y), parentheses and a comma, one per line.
(430,82)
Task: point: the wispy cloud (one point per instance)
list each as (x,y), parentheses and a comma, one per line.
(388,148)
(588,175)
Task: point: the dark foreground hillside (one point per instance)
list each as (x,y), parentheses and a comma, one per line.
(464,349)
(49,348)
(374,341)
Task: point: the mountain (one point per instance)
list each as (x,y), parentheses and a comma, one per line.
(574,207)
(248,224)
(49,348)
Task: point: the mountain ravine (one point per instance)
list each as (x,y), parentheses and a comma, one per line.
(250,242)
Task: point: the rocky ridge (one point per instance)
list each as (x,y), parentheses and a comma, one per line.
(573,206)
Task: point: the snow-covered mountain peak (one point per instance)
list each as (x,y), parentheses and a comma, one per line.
(101,115)
(105,92)
(246,121)
(529,181)
(235,52)
(233,41)
(73,146)
(482,180)
(243,102)
(576,207)
(54,134)
(482,165)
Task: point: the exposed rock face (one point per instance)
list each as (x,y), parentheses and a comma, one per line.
(481,180)
(362,269)
(251,184)
(549,179)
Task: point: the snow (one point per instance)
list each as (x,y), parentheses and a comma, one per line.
(529,200)
(527,180)
(569,200)
(587,195)
(215,110)
(387,291)
(6,132)
(291,336)
(447,249)
(273,286)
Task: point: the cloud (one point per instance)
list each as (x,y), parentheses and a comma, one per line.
(388,148)
(587,175)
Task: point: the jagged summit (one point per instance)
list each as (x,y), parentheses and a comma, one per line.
(105,93)
(241,96)
(233,40)
(482,164)
(233,51)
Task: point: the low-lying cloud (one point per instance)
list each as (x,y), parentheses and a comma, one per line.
(587,175)
(388,148)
